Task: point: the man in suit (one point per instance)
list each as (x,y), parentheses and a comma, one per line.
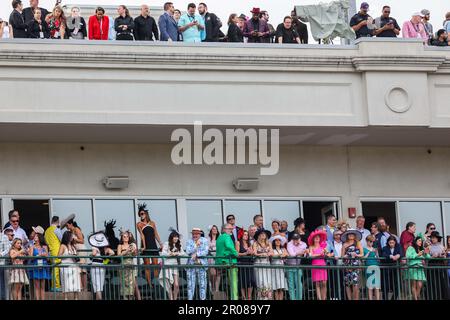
(212,23)
(28,13)
(168,27)
(256,29)
(16,20)
(227,254)
(237,232)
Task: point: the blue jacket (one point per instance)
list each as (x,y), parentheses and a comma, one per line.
(168,27)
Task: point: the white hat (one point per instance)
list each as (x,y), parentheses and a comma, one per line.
(64,222)
(279,237)
(98,240)
(417,14)
(38,229)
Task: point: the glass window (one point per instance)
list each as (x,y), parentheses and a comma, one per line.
(280,210)
(82,210)
(421,213)
(163,213)
(447,219)
(202,214)
(120,210)
(243,210)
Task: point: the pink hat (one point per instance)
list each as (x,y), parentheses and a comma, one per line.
(321,233)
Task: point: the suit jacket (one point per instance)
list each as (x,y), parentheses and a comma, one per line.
(201,249)
(33,29)
(95,32)
(239,232)
(212,28)
(225,248)
(168,27)
(386,252)
(18,25)
(28,14)
(262,27)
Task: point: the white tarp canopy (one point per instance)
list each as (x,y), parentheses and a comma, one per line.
(327,20)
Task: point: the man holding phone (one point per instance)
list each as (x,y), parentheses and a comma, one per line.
(386,26)
(190,25)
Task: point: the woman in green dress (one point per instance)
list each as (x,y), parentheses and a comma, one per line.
(416,255)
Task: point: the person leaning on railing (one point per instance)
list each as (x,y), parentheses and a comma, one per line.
(436,275)
(169,276)
(227,254)
(391,254)
(18,276)
(246,275)
(128,250)
(416,274)
(197,249)
(296,249)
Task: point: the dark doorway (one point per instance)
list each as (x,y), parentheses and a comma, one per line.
(33,213)
(316,213)
(373,210)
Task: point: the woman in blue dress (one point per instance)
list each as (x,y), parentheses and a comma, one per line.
(41,272)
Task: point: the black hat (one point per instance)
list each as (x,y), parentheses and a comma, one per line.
(267,232)
(299,221)
(295,236)
(436,234)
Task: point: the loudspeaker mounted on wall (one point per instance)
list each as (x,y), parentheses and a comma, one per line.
(116,182)
(245,184)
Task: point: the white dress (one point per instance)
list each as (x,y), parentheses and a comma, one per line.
(168,273)
(70,272)
(97,273)
(278,275)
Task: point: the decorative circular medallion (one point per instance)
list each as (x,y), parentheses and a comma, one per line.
(398,100)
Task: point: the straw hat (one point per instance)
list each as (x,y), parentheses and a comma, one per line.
(357,234)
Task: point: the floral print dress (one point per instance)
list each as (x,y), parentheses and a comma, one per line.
(351,276)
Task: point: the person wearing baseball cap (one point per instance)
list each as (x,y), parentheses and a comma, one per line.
(426,22)
(360,21)
(414,28)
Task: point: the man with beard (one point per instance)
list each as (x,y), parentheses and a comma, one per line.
(300,27)
(271,37)
(212,23)
(256,29)
(360,22)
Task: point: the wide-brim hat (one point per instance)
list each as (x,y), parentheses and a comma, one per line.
(256,10)
(196,230)
(98,240)
(64,221)
(38,229)
(267,232)
(279,237)
(436,234)
(321,233)
(357,234)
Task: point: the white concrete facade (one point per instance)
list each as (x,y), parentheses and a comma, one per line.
(356,122)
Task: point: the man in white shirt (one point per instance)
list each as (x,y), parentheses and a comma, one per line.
(18,231)
(360,220)
(6,238)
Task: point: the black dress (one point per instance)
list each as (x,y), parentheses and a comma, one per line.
(151,249)
(246,270)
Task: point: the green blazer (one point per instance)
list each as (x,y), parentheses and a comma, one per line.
(225,248)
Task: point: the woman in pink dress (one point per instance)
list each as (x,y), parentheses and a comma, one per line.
(317,242)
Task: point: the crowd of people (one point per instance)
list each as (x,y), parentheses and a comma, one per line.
(200,25)
(246,263)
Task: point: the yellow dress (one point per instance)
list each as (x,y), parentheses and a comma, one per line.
(53,243)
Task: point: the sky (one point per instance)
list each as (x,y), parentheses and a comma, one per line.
(401,9)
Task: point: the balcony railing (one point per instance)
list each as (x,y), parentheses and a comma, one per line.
(119,278)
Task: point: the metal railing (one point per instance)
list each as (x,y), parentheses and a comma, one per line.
(124,277)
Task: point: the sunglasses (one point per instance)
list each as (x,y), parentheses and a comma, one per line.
(14,221)
(230,219)
(432,228)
